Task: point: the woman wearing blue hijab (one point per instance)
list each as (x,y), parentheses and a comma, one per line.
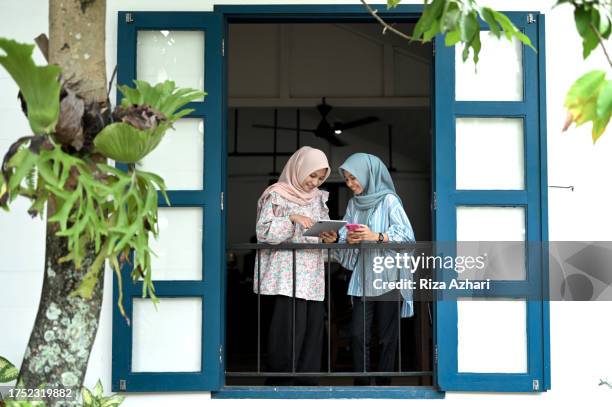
(378,210)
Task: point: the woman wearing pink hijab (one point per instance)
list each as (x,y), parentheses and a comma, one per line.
(284,211)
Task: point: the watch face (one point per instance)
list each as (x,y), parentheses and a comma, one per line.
(381,237)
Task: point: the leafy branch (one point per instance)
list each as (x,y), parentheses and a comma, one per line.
(459,22)
(589,99)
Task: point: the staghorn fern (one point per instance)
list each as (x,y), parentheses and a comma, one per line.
(145,114)
(95,205)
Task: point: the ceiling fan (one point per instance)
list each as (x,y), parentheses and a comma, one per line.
(325,130)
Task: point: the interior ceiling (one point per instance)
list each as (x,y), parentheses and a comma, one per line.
(374,32)
(351,64)
(410,125)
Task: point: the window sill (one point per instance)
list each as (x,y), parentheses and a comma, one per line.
(328,392)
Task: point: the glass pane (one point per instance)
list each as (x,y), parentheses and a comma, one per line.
(179,158)
(176,324)
(171,55)
(491,336)
(493,228)
(498,75)
(179,245)
(490,153)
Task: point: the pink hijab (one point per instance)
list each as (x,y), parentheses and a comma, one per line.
(302,163)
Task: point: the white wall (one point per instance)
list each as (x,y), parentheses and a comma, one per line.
(580,332)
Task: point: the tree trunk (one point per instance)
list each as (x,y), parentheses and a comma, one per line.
(65,326)
(77,37)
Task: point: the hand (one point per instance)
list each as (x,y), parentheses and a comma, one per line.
(352,236)
(328,237)
(363,233)
(305,221)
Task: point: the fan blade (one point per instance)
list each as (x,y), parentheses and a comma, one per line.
(267,126)
(355,123)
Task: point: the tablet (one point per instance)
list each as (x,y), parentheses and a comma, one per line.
(324,226)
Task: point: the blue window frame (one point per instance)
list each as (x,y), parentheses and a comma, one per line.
(210,287)
(532,198)
(444,108)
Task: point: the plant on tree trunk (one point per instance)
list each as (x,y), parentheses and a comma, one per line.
(95,212)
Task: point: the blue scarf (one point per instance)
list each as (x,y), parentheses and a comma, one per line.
(375,180)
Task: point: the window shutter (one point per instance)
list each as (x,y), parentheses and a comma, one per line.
(178,347)
(490,185)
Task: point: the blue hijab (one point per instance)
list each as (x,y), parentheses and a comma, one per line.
(375,180)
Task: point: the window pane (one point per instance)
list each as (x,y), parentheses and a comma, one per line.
(175,324)
(493,229)
(490,153)
(171,55)
(179,158)
(491,336)
(179,246)
(498,74)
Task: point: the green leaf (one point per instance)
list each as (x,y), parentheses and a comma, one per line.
(582,95)
(505,24)
(87,397)
(98,389)
(113,401)
(428,20)
(471,36)
(510,29)
(582,102)
(433,30)
(583,19)
(24,161)
(450,16)
(124,143)
(604,25)
(164,97)
(63,213)
(487,15)
(8,372)
(393,3)
(604,100)
(90,280)
(39,84)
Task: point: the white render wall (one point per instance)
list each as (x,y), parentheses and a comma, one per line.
(580,332)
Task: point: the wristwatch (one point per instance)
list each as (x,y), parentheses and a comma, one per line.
(381,238)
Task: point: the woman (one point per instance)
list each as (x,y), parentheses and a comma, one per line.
(284,211)
(378,210)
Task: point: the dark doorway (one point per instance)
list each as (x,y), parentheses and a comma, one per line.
(277,75)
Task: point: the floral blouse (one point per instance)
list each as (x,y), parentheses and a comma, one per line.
(273,226)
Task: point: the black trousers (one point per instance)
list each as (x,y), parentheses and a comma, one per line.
(385,310)
(309,325)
